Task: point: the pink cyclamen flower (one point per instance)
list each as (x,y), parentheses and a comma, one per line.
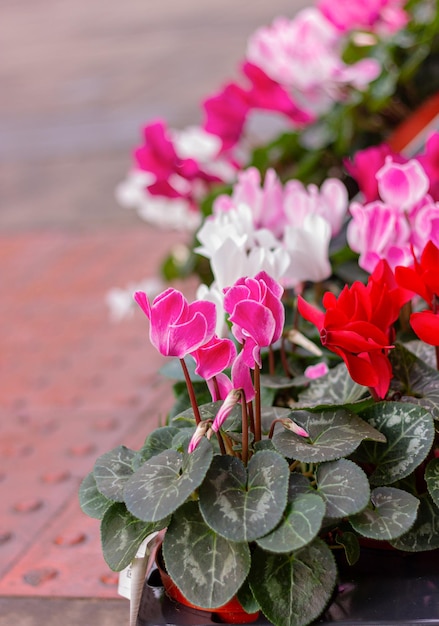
(379,16)
(256,312)
(232,399)
(213,357)
(405,217)
(201,430)
(177,327)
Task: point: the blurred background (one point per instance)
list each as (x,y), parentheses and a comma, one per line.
(78,81)
(80,78)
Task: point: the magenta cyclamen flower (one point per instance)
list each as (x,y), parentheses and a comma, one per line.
(256,312)
(177,327)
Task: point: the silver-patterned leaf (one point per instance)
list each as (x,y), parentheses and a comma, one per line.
(293,588)
(409,430)
(242,503)
(424,534)
(112,470)
(415,378)
(160,439)
(432,480)
(122,534)
(333,433)
(344,488)
(391,514)
(336,387)
(91,501)
(164,482)
(207,568)
(300,524)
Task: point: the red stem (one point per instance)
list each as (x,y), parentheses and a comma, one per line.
(191,392)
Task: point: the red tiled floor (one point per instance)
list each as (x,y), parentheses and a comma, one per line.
(74,384)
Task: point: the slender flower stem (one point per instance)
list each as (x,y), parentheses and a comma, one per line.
(257,384)
(191,392)
(251,417)
(221,442)
(435,311)
(271,361)
(244,429)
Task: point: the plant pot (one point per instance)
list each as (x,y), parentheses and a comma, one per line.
(231,613)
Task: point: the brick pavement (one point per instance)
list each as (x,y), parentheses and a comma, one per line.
(78,81)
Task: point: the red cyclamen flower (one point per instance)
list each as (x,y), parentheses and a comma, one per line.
(356,326)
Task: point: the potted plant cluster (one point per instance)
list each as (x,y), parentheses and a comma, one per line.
(305,425)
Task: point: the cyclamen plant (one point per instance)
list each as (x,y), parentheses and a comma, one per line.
(282,474)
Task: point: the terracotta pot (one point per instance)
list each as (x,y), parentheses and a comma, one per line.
(230,613)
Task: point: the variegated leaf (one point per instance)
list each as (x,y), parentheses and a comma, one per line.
(300,524)
(432,480)
(332,434)
(343,486)
(242,503)
(160,439)
(424,534)
(92,502)
(415,379)
(391,514)
(112,470)
(336,387)
(293,588)
(164,482)
(409,430)
(122,534)
(206,567)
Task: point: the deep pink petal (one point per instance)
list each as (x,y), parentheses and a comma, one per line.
(255,320)
(142,300)
(187,337)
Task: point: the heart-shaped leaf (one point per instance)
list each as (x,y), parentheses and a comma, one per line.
(432,480)
(351,546)
(409,430)
(393,513)
(336,387)
(160,439)
(91,501)
(343,486)
(424,534)
(122,534)
(244,504)
(164,482)
(207,568)
(112,470)
(300,524)
(415,379)
(332,434)
(293,588)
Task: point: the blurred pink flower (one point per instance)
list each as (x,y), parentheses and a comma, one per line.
(383,17)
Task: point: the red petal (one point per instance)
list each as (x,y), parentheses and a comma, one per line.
(426,326)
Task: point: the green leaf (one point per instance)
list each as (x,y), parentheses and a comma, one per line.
(424,534)
(243,504)
(112,470)
(164,482)
(122,534)
(300,524)
(333,434)
(91,501)
(293,588)
(246,598)
(423,351)
(351,546)
(207,568)
(393,513)
(432,480)
(336,387)
(158,441)
(409,430)
(343,486)
(418,382)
